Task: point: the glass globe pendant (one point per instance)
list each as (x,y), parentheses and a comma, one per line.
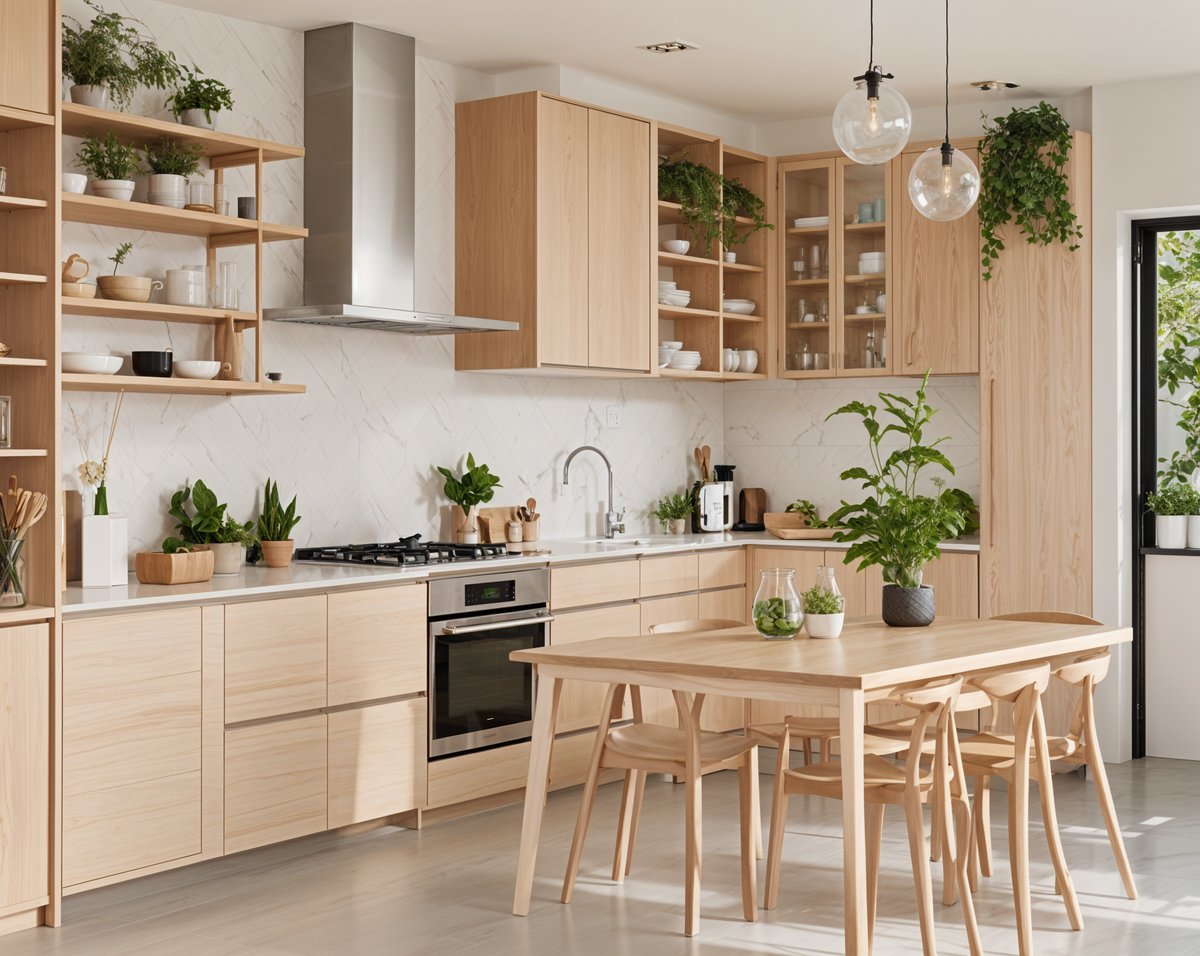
(943,183)
(873,121)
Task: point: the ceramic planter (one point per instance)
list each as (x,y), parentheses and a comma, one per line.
(824,626)
(196,118)
(731,257)
(227,558)
(1171,531)
(121,189)
(87,95)
(127,288)
(677,525)
(1193,531)
(167,189)
(466,525)
(278,554)
(908,607)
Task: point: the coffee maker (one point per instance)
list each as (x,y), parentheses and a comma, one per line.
(715,501)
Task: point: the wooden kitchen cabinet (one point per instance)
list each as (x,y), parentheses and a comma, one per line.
(581,585)
(378,646)
(377,760)
(24,766)
(938,282)
(275,781)
(580,701)
(28,48)
(669,574)
(553,231)
(721,569)
(727,604)
(275,657)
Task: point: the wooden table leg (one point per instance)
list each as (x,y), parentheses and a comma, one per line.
(536,785)
(854,843)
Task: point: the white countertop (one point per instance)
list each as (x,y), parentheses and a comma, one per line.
(260,582)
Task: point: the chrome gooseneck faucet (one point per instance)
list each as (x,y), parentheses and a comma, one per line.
(614,522)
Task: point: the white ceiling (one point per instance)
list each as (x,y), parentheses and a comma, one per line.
(766,60)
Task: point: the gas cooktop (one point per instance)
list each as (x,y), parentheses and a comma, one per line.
(407,551)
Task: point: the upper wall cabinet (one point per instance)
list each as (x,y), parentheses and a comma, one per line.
(937,282)
(28,58)
(553,229)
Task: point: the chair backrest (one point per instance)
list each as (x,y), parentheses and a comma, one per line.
(1008,683)
(1047,617)
(1084,673)
(700,624)
(1078,671)
(935,703)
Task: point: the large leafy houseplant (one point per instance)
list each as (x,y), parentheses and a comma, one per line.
(1023,158)
(474,487)
(202,524)
(895,526)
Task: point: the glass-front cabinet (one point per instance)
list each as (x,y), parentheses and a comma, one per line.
(862,240)
(809,342)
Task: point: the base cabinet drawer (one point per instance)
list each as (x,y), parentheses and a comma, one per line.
(481,774)
(378,645)
(580,585)
(376,761)
(722,569)
(275,657)
(275,782)
(670,574)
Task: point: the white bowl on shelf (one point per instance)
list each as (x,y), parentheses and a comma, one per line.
(671,344)
(195,368)
(739,306)
(666,285)
(678,247)
(91,363)
(74,182)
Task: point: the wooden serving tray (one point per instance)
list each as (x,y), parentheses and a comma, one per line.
(187,567)
(793,526)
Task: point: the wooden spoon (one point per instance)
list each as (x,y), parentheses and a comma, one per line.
(706,469)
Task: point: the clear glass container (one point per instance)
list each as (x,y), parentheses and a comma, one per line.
(826,579)
(777,612)
(12,573)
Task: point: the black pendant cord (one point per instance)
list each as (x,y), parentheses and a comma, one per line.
(871,54)
(947,149)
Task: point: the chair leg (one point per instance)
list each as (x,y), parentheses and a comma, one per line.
(638,794)
(807,751)
(1053,838)
(1018,859)
(942,822)
(922,882)
(1095,763)
(624,824)
(586,801)
(778,822)
(755,804)
(874,848)
(983,823)
(935,802)
(691,866)
(962,813)
(826,749)
(750,827)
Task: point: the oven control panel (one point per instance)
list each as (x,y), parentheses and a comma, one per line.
(490,592)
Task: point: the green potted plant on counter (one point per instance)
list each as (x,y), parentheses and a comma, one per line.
(474,487)
(672,513)
(824,612)
(1171,505)
(171,163)
(275,525)
(198,98)
(209,527)
(894,526)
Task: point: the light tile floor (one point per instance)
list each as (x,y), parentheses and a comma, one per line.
(448,888)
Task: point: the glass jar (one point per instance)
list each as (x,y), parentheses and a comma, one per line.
(777,612)
(12,573)
(827,580)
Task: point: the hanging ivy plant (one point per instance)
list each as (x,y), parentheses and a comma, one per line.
(738,200)
(697,189)
(1023,157)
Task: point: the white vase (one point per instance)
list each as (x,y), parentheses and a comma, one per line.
(196,118)
(105,557)
(824,626)
(227,558)
(747,360)
(1193,531)
(88,95)
(731,257)
(121,189)
(167,189)
(1171,531)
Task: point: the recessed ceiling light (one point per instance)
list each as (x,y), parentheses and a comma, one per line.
(991,86)
(670,46)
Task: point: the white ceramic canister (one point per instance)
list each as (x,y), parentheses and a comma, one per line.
(187,286)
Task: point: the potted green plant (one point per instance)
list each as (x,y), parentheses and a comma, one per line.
(112,57)
(824,612)
(697,189)
(195,101)
(894,526)
(112,165)
(474,487)
(171,163)
(673,511)
(125,288)
(275,525)
(737,201)
(210,527)
(1171,504)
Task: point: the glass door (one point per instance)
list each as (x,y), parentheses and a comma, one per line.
(864,265)
(809,338)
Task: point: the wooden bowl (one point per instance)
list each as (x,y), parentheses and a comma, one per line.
(186,567)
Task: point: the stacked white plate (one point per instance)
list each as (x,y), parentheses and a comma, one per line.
(665,351)
(739,306)
(677,298)
(685,361)
(810,221)
(872,263)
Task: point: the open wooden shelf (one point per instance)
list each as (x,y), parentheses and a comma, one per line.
(798,283)
(17,362)
(865,226)
(864,316)
(682,373)
(20,202)
(674,259)
(671,213)
(229,230)
(20,278)
(154,312)
(742,267)
(223,149)
(29,614)
(174,386)
(22,452)
(672,311)
(740,317)
(857,279)
(11,118)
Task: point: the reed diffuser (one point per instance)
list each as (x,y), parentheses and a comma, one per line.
(20,510)
(95,473)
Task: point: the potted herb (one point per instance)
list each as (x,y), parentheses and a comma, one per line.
(275,525)
(111,164)
(737,200)
(171,163)
(1172,504)
(824,612)
(210,526)
(673,511)
(894,526)
(474,487)
(197,99)
(126,288)
(111,57)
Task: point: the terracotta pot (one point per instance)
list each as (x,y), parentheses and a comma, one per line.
(278,554)
(127,288)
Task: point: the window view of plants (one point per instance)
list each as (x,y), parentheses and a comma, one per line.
(1178,357)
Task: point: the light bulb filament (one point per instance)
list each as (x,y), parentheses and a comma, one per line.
(947,180)
(873,115)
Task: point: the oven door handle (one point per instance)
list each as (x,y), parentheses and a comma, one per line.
(452,629)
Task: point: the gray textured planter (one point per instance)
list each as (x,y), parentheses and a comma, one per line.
(908,607)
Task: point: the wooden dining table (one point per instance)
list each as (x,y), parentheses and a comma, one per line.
(868,662)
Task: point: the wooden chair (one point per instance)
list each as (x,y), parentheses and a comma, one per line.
(909,785)
(686,752)
(1017,759)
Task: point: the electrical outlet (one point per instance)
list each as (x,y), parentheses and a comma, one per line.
(614,416)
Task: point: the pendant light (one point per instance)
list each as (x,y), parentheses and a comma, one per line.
(943,183)
(872,122)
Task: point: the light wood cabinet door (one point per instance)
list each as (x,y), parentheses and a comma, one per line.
(377,644)
(580,700)
(24,763)
(669,574)
(954,576)
(581,585)
(275,781)
(475,775)
(722,569)
(727,604)
(939,279)
(803,561)
(377,759)
(1036,425)
(275,657)
(27,68)
(563,234)
(618,231)
(658,706)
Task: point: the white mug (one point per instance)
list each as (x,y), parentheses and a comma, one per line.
(747,360)
(729,360)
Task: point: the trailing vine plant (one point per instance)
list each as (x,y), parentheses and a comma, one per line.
(1023,156)
(710,203)
(737,200)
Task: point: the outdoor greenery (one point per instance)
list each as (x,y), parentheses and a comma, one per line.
(673,508)
(275,522)
(1022,159)
(894,526)
(112,52)
(1179,347)
(196,93)
(821,600)
(108,158)
(1175,498)
(118,258)
(173,158)
(475,486)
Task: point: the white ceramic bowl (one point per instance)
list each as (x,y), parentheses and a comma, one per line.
(739,307)
(91,363)
(671,344)
(666,284)
(196,369)
(871,268)
(74,182)
(677,246)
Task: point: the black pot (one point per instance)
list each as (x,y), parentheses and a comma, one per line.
(908,607)
(153,364)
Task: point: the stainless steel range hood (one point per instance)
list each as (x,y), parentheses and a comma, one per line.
(360,187)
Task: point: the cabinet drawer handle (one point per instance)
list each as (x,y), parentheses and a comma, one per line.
(991,469)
